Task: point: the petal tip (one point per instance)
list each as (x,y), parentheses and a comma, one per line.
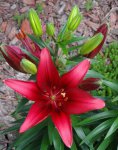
(101,104)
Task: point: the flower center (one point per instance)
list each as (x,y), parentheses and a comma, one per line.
(53,97)
(56,96)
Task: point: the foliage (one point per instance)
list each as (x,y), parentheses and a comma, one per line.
(109,58)
(89,5)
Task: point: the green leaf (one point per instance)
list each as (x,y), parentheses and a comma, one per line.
(97,117)
(50,131)
(10,129)
(81,134)
(73,48)
(36,40)
(58,145)
(62,32)
(113,128)
(76,39)
(105,143)
(45,143)
(98,130)
(27,137)
(73,147)
(20,105)
(115,99)
(112,85)
(30,55)
(35,143)
(94,74)
(41,43)
(64,49)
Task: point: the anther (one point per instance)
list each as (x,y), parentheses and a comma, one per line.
(63,94)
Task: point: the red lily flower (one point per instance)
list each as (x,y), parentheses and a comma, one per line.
(90,84)
(56,96)
(102,29)
(29,44)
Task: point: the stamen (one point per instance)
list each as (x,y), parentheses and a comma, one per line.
(66,98)
(63,94)
(59,104)
(62,90)
(47,93)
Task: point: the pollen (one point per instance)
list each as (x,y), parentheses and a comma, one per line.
(63,94)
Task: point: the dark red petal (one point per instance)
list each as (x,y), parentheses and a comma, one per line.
(37,113)
(27,89)
(81,102)
(47,73)
(90,84)
(13,56)
(102,29)
(63,125)
(75,75)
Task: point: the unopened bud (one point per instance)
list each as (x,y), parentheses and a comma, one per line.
(74,19)
(102,29)
(91,44)
(28,66)
(74,12)
(35,22)
(75,23)
(50,29)
(90,84)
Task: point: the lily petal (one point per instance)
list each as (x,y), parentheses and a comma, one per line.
(75,75)
(63,125)
(37,114)
(47,72)
(81,102)
(29,89)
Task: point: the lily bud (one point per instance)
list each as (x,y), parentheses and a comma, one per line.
(13,56)
(28,66)
(50,29)
(75,23)
(74,19)
(102,29)
(35,22)
(32,47)
(90,84)
(74,12)
(91,44)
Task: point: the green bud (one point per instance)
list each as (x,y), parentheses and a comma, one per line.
(74,12)
(91,44)
(50,29)
(74,19)
(35,23)
(28,66)
(75,23)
